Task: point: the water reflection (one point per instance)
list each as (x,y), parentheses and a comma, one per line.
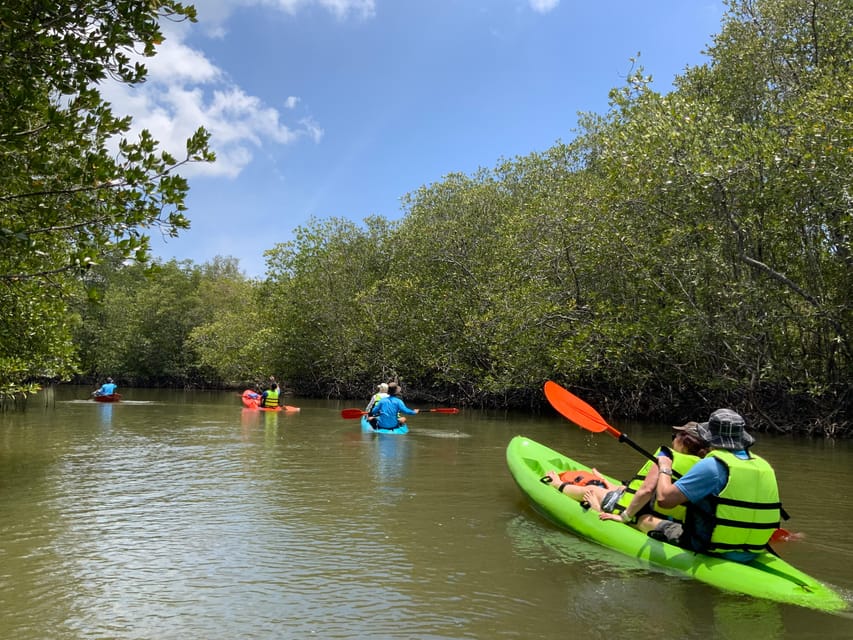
(105,409)
(390,455)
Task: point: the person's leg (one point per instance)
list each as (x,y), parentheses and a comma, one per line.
(663,530)
(592,495)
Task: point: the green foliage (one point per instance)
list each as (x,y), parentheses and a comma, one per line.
(172,323)
(681,251)
(691,243)
(73,188)
(320,301)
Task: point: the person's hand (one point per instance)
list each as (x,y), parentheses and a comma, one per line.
(609,516)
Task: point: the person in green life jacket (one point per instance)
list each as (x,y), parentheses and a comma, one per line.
(106,389)
(269,398)
(381,392)
(391,411)
(626,502)
(637,503)
(731,495)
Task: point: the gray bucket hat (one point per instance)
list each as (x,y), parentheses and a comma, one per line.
(726,429)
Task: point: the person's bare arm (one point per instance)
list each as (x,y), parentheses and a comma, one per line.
(668,495)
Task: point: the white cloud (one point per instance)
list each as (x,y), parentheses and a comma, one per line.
(185,90)
(175,63)
(214,13)
(543,6)
(311,129)
(341,8)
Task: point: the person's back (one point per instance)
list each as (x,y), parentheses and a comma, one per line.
(389,409)
(107,389)
(732,495)
(269,398)
(381,392)
(738,518)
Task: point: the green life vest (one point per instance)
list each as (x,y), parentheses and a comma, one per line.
(747,511)
(681,464)
(271,399)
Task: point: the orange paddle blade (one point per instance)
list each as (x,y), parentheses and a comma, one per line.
(353,413)
(575,409)
(783,535)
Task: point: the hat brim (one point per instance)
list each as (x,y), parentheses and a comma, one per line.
(715,440)
(692,430)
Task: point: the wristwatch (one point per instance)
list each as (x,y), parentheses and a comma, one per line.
(666,472)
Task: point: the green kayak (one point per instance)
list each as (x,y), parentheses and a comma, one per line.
(768,576)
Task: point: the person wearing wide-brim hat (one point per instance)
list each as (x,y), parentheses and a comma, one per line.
(732,496)
(726,429)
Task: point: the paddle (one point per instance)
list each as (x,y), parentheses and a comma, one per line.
(584,415)
(357,413)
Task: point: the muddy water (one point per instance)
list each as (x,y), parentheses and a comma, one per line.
(181,515)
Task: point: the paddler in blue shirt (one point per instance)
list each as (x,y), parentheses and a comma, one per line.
(732,496)
(390,409)
(106,389)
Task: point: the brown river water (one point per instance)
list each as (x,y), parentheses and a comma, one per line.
(180,515)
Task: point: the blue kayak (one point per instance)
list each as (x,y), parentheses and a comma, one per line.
(366,428)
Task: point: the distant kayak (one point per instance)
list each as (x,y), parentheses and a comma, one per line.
(111,397)
(366,428)
(252,398)
(768,576)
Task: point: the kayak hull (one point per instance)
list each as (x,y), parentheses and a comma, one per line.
(366,428)
(112,397)
(768,576)
(251,398)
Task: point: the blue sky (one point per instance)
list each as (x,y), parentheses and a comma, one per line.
(338,108)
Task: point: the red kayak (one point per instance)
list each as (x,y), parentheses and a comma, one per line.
(252,398)
(112,397)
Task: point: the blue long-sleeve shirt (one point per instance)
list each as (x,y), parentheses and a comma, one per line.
(387,410)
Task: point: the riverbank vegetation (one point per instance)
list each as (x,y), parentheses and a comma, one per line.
(681,252)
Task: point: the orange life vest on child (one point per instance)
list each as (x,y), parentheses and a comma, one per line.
(581,478)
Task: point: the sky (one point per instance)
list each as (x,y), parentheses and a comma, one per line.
(339,108)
